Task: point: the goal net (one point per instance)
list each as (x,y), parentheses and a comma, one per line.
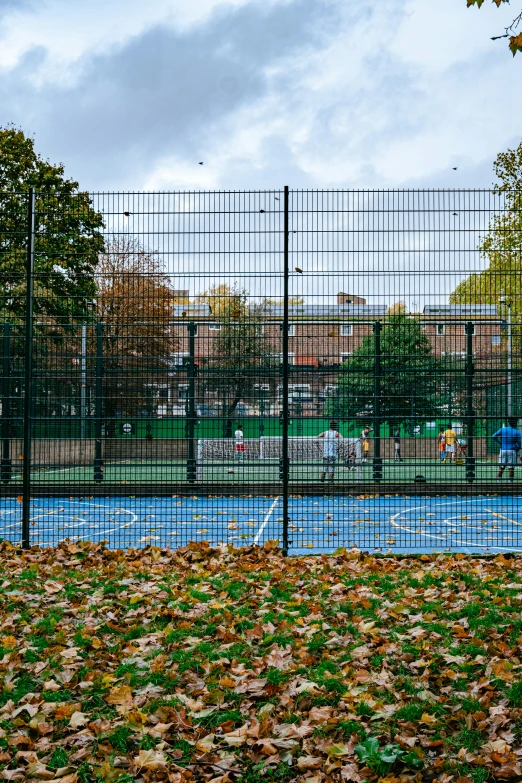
(301,450)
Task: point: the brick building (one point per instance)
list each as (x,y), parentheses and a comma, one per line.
(321,338)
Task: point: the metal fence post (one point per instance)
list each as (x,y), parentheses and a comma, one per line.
(377,374)
(83,388)
(470,414)
(286,275)
(98,406)
(191,404)
(6,470)
(28,376)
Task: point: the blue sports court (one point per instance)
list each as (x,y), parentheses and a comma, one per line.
(317,524)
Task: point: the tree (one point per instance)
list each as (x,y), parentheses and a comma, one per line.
(68,237)
(411,375)
(134,303)
(501,247)
(515,40)
(241,354)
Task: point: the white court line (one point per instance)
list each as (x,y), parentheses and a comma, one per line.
(501,516)
(475,545)
(265,521)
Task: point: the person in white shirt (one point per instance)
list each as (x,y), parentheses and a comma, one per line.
(331,440)
(240,444)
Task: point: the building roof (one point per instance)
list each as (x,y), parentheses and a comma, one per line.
(461,309)
(323,311)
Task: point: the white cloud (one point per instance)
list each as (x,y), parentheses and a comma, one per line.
(67,30)
(371,94)
(374,106)
(436,35)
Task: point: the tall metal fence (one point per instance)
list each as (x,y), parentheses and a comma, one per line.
(254,365)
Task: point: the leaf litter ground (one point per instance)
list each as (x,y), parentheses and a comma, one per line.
(224,664)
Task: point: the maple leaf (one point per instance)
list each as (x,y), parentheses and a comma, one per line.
(515,43)
(150,759)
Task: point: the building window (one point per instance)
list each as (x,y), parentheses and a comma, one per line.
(344,356)
(441,329)
(291,330)
(423,327)
(179,359)
(346,330)
(214,327)
(279,357)
(495,339)
(183,391)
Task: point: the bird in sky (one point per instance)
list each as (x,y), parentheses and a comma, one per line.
(455,168)
(299,270)
(127,214)
(200,162)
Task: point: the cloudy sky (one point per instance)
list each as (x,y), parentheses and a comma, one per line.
(311,93)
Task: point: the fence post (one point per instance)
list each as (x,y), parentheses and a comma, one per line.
(286,275)
(83,379)
(28,377)
(470,414)
(191,404)
(377,371)
(98,406)
(6,471)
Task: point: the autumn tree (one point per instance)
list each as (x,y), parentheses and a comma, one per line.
(134,303)
(515,39)
(241,353)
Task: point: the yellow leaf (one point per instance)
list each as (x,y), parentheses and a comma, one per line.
(206,744)
(340,749)
(120,696)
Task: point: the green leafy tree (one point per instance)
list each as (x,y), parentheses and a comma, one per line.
(241,352)
(502,248)
(68,236)
(411,375)
(515,39)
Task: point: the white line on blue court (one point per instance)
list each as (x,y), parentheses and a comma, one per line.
(265,521)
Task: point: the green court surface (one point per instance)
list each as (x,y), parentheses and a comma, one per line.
(259,471)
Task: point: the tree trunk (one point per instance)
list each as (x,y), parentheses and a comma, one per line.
(230,410)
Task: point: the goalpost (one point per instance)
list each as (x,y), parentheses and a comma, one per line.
(269,449)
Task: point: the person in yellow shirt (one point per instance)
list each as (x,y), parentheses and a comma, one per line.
(450,436)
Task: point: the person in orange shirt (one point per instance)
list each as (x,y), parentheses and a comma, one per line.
(450,436)
(442,448)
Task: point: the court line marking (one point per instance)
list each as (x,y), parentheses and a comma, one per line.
(501,516)
(475,545)
(265,521)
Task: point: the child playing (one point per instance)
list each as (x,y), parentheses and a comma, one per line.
(442,449)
